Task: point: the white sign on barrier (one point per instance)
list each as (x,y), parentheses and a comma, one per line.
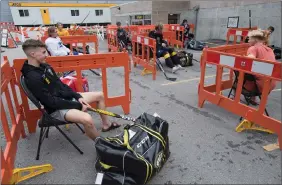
(146,41)
(4,37)
(139,39)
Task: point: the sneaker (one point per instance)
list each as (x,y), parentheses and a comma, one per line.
(174,69)
(180,67)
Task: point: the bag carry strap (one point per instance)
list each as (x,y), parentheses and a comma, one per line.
(149,169)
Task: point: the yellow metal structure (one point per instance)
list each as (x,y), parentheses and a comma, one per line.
(45,16)
(21,174)
(248,125)
(145,72)
(34,4)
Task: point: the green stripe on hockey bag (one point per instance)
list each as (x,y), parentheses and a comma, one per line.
(136,155)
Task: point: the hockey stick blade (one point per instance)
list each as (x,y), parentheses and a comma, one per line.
(161,68)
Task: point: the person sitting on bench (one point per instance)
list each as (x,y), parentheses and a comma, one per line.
(58,99)
(122,36)
(171,59)
(259,50)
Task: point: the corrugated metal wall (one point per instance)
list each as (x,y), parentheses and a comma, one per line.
(5,12)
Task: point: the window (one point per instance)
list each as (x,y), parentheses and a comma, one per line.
(24,13)
(74,12)
(99,12)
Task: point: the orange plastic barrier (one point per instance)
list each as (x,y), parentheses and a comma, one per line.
(73,41)
(144,53)
(242,33)
(177,36)
(145,29)
(14,132)
(76,32)
(79,63)
(113,45)
(269,70)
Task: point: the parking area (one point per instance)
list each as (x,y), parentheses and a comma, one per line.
(205,149)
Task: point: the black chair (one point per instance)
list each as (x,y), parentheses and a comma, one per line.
(46,121)
(246,93)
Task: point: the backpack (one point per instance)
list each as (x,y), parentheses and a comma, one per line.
(134,156)
(185,58)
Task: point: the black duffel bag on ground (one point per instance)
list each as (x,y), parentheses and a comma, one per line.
(134,156)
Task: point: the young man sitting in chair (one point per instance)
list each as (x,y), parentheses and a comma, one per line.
(57,98)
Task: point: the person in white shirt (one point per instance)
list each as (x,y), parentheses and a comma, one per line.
(55,45)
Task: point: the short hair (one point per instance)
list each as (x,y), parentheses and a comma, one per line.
(159,26)
(258,34)
(118,23)
(51,30)
(32,44)
(58,23)
(271,28)
(184,20)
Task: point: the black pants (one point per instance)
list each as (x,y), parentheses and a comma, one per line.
(171,58)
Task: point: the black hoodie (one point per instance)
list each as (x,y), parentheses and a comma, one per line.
(45,85)
(159,38)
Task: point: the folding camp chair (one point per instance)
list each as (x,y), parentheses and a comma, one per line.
(247,94)
(46,121)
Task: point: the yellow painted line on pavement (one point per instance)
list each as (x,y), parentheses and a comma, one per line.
(276,90)
(212,43)
(189,80)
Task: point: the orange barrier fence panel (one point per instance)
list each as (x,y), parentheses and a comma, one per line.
(15,130)
(268,71)
(79,63)
(77,40)
(145,29)
(113,45)
(144,53)
(232,49)
(242,33)
(192,28)
(76,32)
(177,38)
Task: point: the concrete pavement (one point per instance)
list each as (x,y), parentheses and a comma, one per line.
(204,146)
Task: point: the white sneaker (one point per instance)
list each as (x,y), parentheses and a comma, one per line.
(180,67)
(174,69)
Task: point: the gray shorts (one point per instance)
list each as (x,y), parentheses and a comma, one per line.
(60,114)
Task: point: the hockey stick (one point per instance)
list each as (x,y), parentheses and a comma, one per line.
(162,69)
(100,111)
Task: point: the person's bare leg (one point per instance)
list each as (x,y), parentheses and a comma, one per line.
(98,97)
(77,116)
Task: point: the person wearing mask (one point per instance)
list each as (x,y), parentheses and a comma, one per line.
(259,50)
(171,59)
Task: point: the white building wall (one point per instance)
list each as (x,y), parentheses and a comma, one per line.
(64,15)
(33,18)
(61,14)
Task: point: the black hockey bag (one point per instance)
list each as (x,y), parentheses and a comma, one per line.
(134,156)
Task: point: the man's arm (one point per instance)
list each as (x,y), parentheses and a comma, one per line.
(39,90)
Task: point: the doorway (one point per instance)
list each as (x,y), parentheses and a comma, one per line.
(45,16)
(173,18)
